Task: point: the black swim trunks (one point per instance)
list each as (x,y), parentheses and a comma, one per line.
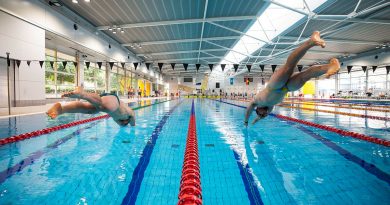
(113,94)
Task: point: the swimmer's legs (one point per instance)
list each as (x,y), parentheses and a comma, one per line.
(299,79)
(71,107)
(283,74)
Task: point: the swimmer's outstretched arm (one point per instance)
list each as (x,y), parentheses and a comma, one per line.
(249,110)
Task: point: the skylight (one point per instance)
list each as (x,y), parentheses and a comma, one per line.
(271,23)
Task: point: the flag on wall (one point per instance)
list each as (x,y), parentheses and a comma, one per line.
(147,65)
(64,63)
(235,67)
(18,63)
(75,64)
(211,66)
(249,67)
(41,63)
(349,68)
(197,66)
(374,68)
(273,68)
(173,66)
(223,67)
(135,66)
(111,64)
(99,65)
(364,68)
(388,69)
(160,65)
(262,68)
(185,65)
(87,64)
(123,65)
(28,63)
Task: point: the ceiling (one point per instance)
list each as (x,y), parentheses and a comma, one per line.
(203,31)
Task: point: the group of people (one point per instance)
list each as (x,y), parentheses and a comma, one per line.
(282,81)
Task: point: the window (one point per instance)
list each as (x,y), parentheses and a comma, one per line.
(59,78)
(94,78)
(187,80)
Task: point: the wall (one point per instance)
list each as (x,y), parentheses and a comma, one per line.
(23,41)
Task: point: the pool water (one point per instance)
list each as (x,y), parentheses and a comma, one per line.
(272,162)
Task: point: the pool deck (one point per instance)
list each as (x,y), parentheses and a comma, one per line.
(29,110)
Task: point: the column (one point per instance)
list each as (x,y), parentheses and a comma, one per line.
(107,78)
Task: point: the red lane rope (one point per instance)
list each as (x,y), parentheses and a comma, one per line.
(60,127)
(338,131)
(356,135)
(190,188)
(47,130)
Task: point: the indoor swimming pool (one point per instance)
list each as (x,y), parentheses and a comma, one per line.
(275,161)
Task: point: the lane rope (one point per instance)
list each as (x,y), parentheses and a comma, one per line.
(190,191)
(343,133)
(48,130)
(340,113)
(335,106)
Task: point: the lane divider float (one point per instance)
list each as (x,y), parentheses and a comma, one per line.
(48,130)
(335,106)
(345,133)
(340,113)
(190,188)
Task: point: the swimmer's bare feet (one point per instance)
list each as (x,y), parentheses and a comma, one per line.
(316,40)
(54,111)
(73,94)
(333,67)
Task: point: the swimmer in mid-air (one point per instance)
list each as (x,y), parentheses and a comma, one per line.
(109,103)
(284,79)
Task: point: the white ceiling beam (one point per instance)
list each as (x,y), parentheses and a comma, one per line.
(239,32)
(250,56)
(201,33)
(288,7)
(180,52)
(148,43)
(180,21)
(332,40)
(352,20)
(185,59)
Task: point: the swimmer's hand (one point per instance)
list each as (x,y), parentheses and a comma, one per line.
(246,123)
(73,94)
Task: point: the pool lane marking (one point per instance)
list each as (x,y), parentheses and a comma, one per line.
(371,168)
(139,171)
(343,133)
(247,178)
(37,154)
(249,182)
(48,130)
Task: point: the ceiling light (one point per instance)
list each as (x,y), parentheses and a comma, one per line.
(87,1)
(110,29)
(122,31)
(75,1)
(113,31)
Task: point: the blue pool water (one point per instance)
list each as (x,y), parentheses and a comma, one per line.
(273,162)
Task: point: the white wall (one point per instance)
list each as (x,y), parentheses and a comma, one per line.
(24,41)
